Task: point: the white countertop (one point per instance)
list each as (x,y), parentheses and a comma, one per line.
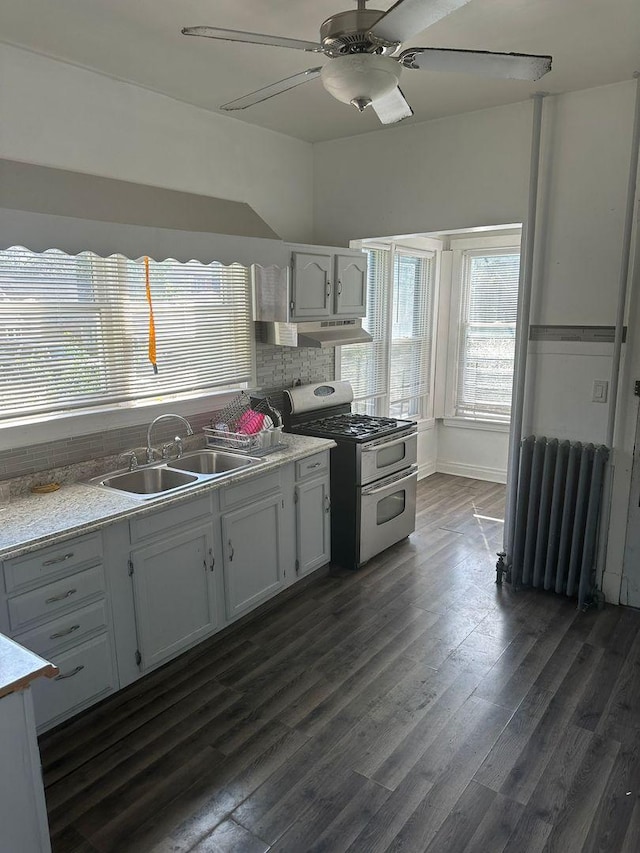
(19,667)
(31,522)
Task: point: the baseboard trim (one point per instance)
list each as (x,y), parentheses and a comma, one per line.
(426,469)
(475,472)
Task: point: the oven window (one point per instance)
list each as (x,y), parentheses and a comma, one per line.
(390,455)
(391,507)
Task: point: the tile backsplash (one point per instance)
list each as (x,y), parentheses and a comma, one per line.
(276,368)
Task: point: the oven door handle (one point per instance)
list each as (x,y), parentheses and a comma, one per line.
(384,445)
(412,472)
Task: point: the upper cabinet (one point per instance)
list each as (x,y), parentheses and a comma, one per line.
(327,284)
(321,283)
(350,285)
(311,286)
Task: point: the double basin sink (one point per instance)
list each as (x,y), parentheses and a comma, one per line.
(162,478)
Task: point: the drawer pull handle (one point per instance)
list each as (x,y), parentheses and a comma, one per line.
(69,674)
(315,465)
(61,559)
(59,634)
(60,597)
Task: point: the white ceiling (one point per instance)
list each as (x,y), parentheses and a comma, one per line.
(593,42)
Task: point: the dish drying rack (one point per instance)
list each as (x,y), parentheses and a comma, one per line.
(223,429)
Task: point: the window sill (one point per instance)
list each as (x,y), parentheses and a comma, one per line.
(23,433)
(473,423)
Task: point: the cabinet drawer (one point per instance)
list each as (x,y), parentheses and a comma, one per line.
(71,628)
(55,597)
(175,516)
(49,562)
(249,490)
(312,465)
(86,671)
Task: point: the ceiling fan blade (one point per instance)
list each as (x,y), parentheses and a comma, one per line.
(512,66)
(274,89)
(408,17)
(392,107)
(251,38)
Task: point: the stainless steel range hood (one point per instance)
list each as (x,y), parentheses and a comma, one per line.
(324,333)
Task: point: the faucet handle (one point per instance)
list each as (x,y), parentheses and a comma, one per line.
(133,459)
(177,443)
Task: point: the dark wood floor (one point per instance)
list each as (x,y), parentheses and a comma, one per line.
(411,706)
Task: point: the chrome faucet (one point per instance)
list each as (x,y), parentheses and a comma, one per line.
(150,450)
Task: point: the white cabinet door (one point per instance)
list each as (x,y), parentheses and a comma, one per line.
(313,525)
(252,554)
(351,285)
(312,286)
(173,584)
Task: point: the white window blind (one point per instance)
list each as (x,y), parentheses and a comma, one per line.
(392,374)
(74,330)
(366,365)
(487,334)
(411,334)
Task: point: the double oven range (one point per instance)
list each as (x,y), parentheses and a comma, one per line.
(373,469)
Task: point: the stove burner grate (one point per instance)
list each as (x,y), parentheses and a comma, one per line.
(351,425)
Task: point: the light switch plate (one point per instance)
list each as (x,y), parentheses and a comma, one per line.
(600,391)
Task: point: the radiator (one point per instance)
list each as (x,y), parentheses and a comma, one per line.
(557,513)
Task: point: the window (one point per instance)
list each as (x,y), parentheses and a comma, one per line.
(487,330)
(392,375)
(74,330)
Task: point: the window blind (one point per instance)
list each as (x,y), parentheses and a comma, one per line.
(412,332)
(365,365)
(487,333)
(74,329)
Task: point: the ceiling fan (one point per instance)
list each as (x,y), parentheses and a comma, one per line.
(365,64)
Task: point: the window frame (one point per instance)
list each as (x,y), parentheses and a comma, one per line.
(460,249)
(429,248)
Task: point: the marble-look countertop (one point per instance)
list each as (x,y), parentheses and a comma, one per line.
(31,522)
(19,667)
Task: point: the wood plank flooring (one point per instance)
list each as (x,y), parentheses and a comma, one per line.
(411,706)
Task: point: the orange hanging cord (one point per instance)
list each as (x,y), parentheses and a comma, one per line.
(152,325)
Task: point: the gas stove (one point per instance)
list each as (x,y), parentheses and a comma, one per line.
(325,411)
(373,469)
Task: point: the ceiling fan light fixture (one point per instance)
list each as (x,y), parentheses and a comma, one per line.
(361,104)
(360,78)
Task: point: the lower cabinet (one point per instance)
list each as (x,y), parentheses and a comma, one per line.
(313,525)
(109,606)
(174,593)
(252,544)
(86,673)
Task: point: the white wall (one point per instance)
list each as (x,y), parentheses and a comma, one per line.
(59,115)
(472,451)
(466,171)
(472,170)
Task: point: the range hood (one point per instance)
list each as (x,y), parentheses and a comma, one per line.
(323,333)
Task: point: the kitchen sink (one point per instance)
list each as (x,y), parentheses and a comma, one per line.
(163,478)
(211,462)
(148,482)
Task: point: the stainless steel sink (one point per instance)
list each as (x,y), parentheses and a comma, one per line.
(211,462)
(148,482)
(163,478)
